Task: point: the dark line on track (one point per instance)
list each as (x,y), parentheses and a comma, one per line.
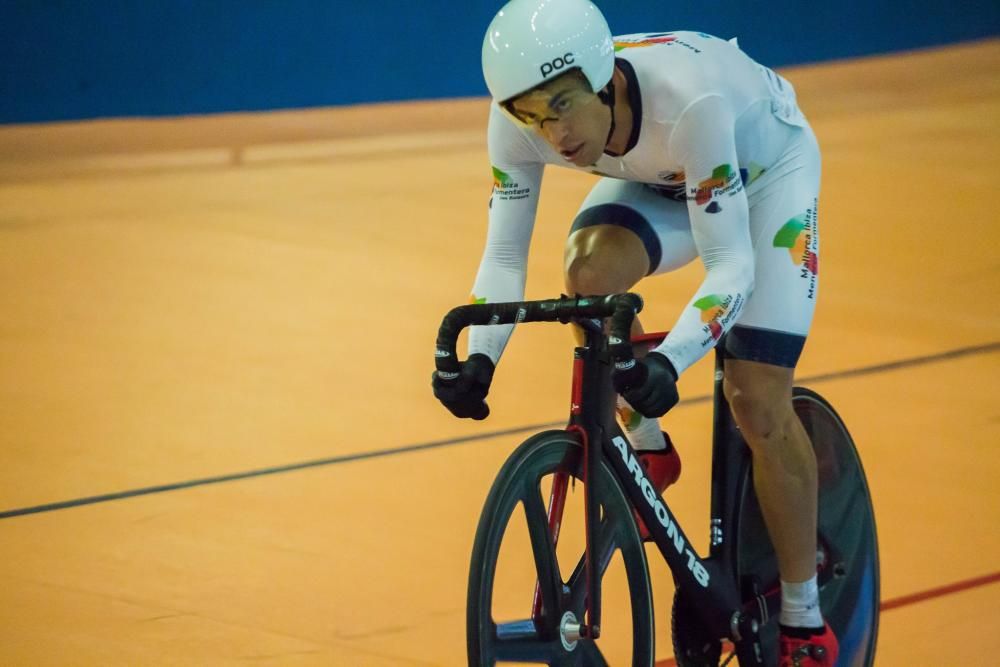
(132,493)
(940,591)
(985,348)
(906,600)
(261,472)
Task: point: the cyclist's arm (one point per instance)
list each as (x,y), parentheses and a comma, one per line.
(703,142)
(517,177)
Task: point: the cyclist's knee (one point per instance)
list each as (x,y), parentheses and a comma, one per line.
(762,415)
(603,259)
(585,276)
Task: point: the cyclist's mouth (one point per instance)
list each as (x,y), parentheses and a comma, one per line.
(572,153)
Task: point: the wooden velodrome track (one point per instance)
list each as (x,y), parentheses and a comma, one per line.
(188,300)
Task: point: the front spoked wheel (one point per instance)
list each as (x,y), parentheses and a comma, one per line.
(847,552)
(514,556)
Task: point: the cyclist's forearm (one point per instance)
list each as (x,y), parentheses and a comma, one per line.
(503,269)
(726,251)
(713,311)
(501,277)
(495,285)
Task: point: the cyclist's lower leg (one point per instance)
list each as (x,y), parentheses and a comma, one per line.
(785,479)
(784,463)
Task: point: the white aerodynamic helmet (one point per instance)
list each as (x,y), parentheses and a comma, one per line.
(531,41)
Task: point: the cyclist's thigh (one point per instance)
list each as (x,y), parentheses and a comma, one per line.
(785,232)
(661,223)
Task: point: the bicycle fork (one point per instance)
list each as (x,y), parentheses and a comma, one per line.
(591,625)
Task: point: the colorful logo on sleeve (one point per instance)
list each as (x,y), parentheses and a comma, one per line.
(712,307)
(654,38)
(638,41)
(473,299)
(724,181)
(717,311)
(500,178)
(506,188)
(799,236)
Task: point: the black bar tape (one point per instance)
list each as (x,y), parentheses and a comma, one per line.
(621,307)
(620,336)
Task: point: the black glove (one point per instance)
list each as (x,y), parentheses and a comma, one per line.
(649,386)
(465,396)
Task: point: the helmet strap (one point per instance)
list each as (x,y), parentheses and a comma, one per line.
(607,97)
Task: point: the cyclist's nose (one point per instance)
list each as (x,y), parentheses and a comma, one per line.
(556,133)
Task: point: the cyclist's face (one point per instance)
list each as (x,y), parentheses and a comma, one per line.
(569,117)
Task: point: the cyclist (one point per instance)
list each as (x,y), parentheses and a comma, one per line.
(704,153)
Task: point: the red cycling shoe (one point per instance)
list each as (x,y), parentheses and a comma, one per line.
(817,651)
(663,466)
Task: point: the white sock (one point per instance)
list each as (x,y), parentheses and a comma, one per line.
(644,433)
(800,605)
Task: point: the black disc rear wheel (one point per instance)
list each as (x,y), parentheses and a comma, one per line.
(847,556)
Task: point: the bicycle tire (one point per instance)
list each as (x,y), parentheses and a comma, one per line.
(521,640)
(847,554)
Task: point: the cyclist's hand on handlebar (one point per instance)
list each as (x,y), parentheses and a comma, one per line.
(649,386)
(465,396)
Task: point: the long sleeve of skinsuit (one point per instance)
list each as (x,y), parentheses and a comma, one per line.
(517,179)
(703,142)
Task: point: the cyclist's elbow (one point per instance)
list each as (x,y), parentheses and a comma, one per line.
(733,267)
(740,275)
(747,281)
